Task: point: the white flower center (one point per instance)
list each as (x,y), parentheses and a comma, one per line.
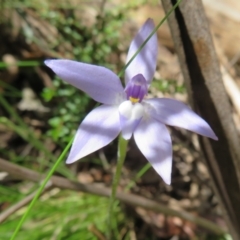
(130,110)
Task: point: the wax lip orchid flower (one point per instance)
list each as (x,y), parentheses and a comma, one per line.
(127,110)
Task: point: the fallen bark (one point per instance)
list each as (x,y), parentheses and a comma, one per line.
(199,64)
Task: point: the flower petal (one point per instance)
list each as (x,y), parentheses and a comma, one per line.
(97,130)
(128,126)
(153,140)
(145,62)
(100,83)
(175,113)
(130,116)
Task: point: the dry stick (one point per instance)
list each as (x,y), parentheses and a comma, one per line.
(232,89)
(93,229)
(229,83)
(199,64)
(131,199)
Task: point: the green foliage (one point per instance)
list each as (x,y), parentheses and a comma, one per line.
(93,44)
(69,110)
(66,215)
(63,215)
(168,85)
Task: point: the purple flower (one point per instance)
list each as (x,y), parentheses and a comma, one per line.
(126,110)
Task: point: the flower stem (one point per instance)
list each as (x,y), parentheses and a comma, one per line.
(122,151)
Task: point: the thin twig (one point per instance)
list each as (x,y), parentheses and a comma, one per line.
(131,199)
(93,229)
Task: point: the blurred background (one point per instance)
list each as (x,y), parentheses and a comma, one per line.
(39,114)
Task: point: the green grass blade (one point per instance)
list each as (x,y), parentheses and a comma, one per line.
(46,180)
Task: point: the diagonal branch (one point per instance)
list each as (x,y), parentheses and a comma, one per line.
(131,199)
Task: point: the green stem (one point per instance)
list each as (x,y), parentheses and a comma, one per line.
(122,151)
(151,34)
(46,180)
(142,171)
(21,64)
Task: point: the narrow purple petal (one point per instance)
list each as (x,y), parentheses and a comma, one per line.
(145,61)
(100,83)
(98,129)
(153,140)
(175,113)
(137,88)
